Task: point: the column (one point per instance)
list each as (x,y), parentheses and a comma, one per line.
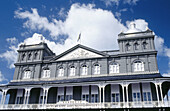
(4,92)
(160,86)
(123,94)
(127,96)
(100,94)
(45,95)
(157,92)
(26,95)
(103,94)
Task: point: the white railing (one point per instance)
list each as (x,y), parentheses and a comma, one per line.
(85,105)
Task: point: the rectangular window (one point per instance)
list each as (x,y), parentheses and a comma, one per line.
(46,73)
(94,98)
(147,96)
(136,97)
(85,97)
(115,97)
(60,98)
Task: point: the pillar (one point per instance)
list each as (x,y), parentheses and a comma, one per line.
(4,92)
(100,94)
(160,86)
(157,92)
(45,95)
(26,95)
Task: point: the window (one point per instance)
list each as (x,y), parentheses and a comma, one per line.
(29,56)
(61,71)
(136,97)
(60,98)
(115,97)
(46,73)
(19,100)
(72,71)
(147,96)
(27,74)
(127,47)
(136,46)
(23,57)
(35,55)
(138,66)
(114,68)
(69,97)
(144,45)
(96,69)
(85,97)
(84,70)
(94,98)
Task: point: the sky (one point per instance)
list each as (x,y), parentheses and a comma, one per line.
(60,22)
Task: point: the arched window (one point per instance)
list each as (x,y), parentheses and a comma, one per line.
(23,57)
(60,71)
(127,47)
(144,45)
(27,74)
(46,73)
(114,68)
(138,66)
(35,55)
(72,71)
(136,46)
(96,69)
(84,69)
(29,56)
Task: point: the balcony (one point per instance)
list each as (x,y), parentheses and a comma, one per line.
(85,105)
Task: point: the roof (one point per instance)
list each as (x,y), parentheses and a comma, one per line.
(80,46)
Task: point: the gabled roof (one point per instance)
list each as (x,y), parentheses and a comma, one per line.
(80,52)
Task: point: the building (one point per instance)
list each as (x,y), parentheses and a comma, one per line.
(84,78)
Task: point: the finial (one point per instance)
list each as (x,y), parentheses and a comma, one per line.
(132,25)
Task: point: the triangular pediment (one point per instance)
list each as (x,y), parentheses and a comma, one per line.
(79,52)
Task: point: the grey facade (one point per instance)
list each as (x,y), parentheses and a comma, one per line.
(84,78)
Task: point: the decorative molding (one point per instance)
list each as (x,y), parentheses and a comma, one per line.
(79,53)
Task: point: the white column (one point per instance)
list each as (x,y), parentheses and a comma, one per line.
(123,94)
(28,95)
(25,96)
(103,94)
(160,86)
(43,96)
(4,92)
(100,94)
(46,95)
(157,92)
(127,95)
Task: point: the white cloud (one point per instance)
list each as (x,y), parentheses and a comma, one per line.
(12,40)
(99,29)
(36,22)
(130,2)
(110,2)
(2,78)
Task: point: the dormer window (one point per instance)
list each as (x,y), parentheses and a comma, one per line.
(96,69)
(138,66)
(72,71)
(46,73)
(61,71)
(127,47)
(84,70)
(27,74)
(114,68)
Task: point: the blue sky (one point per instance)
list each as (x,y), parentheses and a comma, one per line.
(60,22)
